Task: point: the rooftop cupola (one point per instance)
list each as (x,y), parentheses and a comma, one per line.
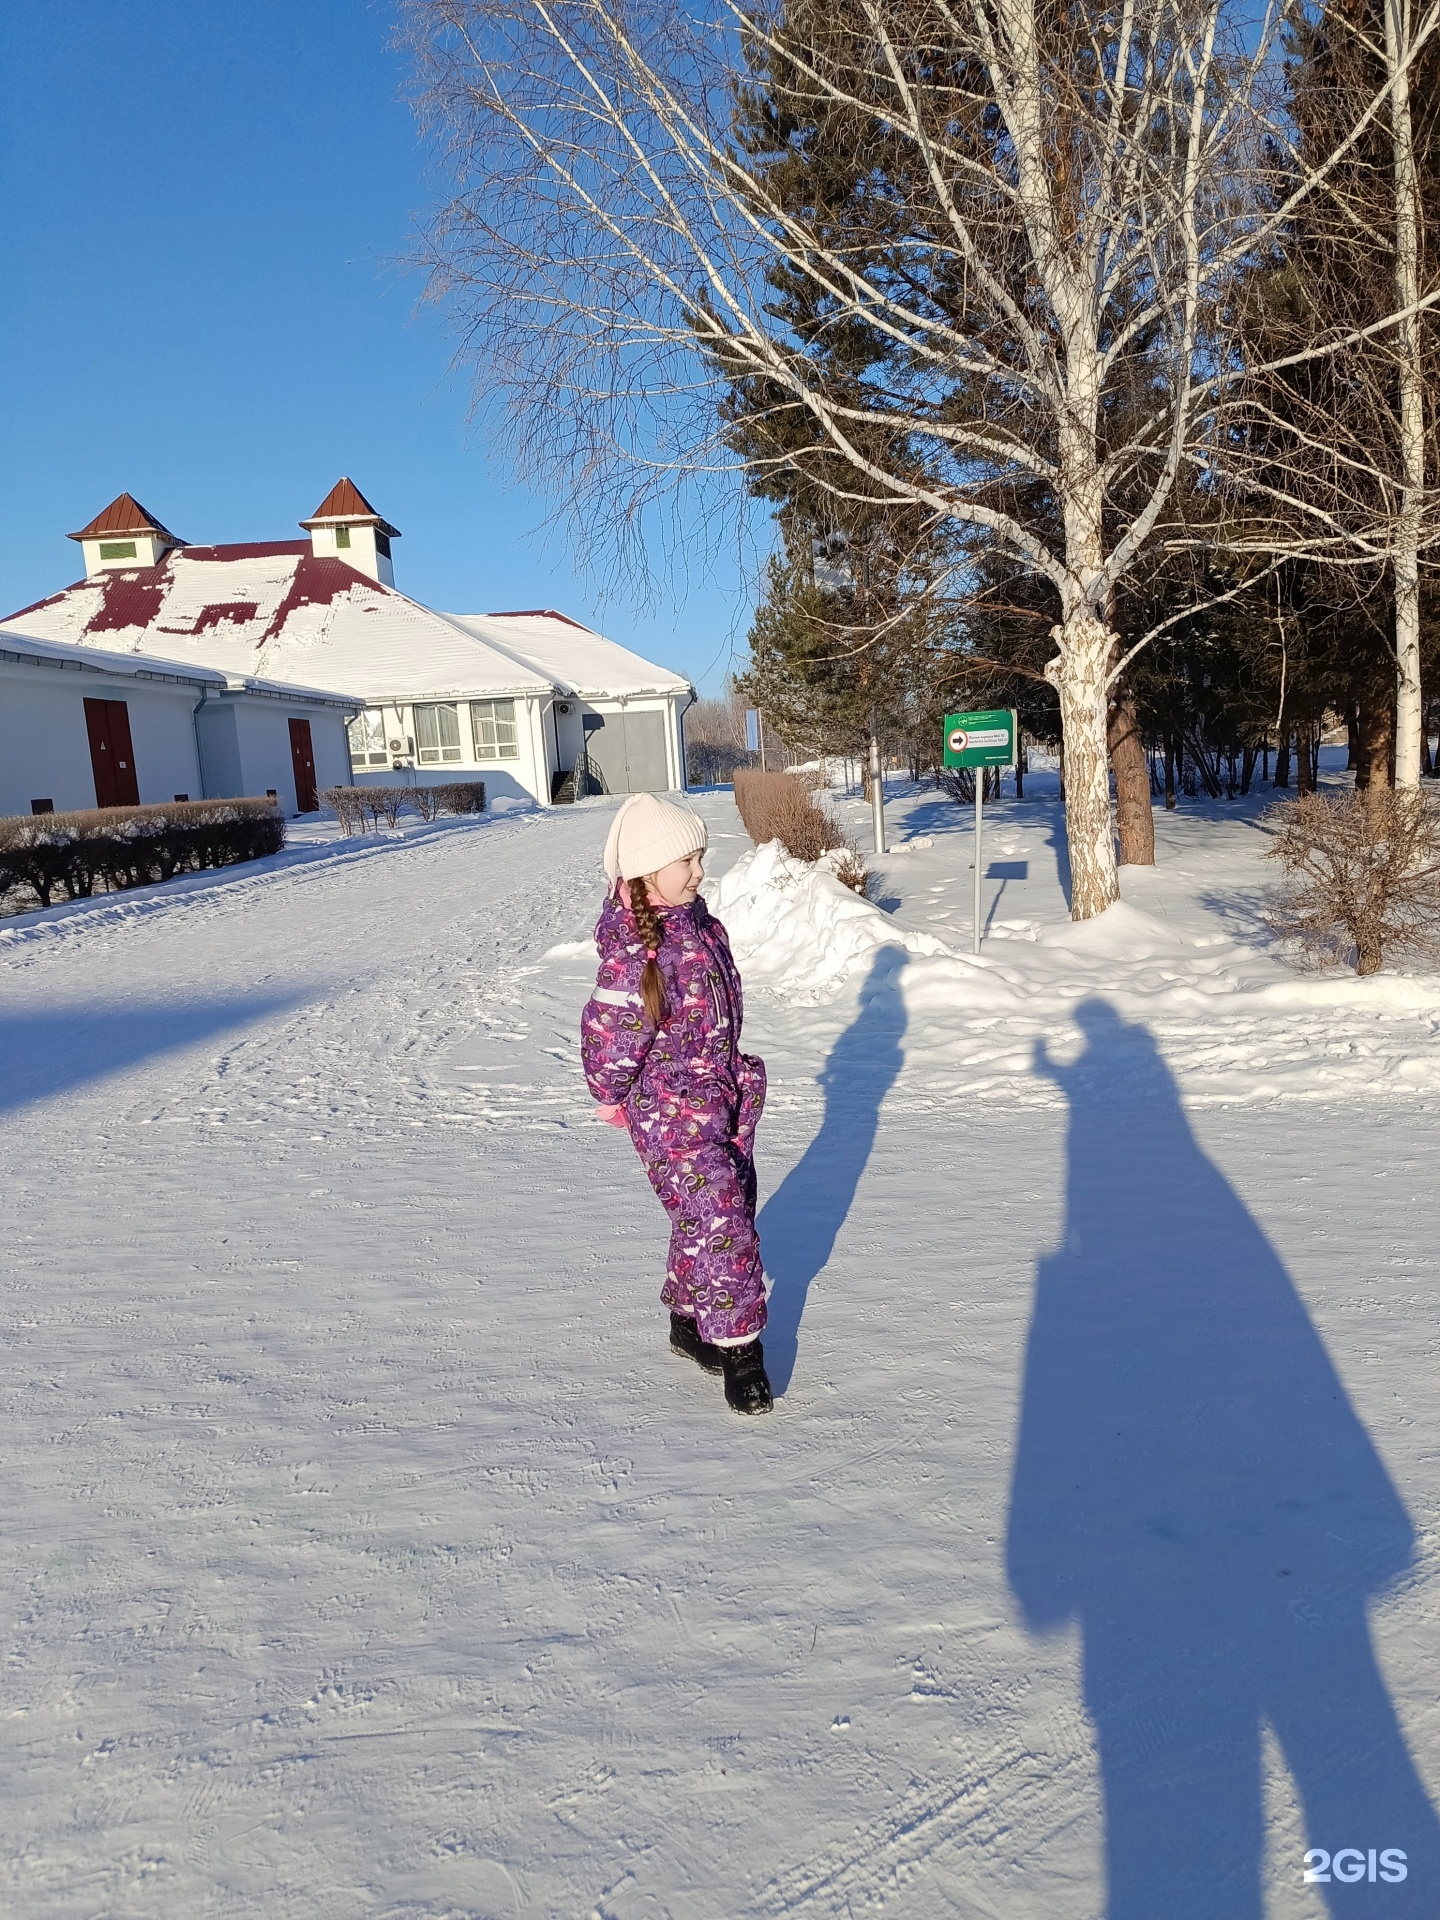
(346,527)
(124,535)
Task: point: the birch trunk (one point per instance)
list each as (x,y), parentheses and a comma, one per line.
(1078,673)
(1411,396)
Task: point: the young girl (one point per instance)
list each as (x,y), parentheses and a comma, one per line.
(660,1039)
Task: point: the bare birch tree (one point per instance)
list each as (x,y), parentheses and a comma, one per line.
(1056,198)
(1332,452)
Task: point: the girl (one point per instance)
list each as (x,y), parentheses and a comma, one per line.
(660,1040)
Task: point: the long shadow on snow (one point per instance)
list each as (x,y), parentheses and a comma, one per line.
(802,1218)
(43,1054)
(1193,1488)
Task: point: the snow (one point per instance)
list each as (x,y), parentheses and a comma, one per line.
(576,658)
(368,1555)
(288,617)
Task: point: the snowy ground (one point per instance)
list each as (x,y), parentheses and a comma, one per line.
(366,1554)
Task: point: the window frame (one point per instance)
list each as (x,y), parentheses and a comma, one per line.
(485,751)
(443,752)
(369,756)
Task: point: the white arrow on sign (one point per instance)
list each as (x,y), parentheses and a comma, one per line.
(959,740)
(962,742)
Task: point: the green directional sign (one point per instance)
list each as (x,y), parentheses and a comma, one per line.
(981,739)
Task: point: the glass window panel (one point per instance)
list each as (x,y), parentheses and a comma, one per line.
(437,731)
(492,722)
(368,746)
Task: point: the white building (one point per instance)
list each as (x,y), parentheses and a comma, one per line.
(533,703)
(84,727)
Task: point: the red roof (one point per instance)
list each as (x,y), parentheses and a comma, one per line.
(537,613)
(123,515)
(346,502)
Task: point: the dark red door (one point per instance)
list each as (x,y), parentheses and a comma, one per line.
(112,758)
(302,755)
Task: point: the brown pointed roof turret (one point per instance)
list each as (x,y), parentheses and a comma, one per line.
(125,515)
(345,505)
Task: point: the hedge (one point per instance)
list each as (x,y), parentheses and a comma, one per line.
(117,847)
(351,805)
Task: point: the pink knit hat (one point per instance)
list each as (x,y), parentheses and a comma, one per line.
(648,833)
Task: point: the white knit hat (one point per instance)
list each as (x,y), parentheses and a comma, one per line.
(648,833)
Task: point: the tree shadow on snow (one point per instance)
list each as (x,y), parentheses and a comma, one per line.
(801,1220)
(44,1054)
(1194,1490)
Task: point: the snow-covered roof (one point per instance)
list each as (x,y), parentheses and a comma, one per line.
(275,611)
(15,645)
(579,660)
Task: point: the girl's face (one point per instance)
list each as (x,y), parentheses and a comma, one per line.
(677,884)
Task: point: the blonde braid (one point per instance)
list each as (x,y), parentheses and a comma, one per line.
(651,929)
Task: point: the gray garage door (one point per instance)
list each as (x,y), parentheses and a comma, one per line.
(626,753)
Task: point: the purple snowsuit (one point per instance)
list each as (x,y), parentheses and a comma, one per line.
(691,1100)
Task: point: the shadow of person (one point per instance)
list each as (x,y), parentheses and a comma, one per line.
(1193,1488)
(801,1219)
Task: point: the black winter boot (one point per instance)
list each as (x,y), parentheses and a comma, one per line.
(685,1338)
(746,1387)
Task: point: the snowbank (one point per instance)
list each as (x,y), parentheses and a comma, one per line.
(795,929)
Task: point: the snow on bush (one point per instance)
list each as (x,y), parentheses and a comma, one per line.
(796,929)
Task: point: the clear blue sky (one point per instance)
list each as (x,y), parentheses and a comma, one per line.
(199,211)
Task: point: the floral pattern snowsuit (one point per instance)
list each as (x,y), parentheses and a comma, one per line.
(691,1100)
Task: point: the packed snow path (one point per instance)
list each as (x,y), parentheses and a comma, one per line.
(367,1554)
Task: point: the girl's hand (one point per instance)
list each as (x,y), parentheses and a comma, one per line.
(612,1116)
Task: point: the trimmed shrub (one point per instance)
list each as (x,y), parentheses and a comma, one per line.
(462,796)
(353,805)
(111,848)
(1362,874)
(775,806)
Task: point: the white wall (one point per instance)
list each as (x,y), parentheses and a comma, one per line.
(362,552)
(262,745)
(526,777)
(45,749)
(149,549)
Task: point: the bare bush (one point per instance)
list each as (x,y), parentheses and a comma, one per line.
(850,871)
(775,806)
(348,806)
(1362,871)
(426,801)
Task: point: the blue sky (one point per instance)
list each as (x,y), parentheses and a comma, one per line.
(200,213)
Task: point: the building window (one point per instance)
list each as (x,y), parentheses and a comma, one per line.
(437,731)
(382,543)
(117,549)
(492,724)
(367,739)
(342,536)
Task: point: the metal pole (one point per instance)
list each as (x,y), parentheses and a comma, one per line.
(877,789)
(979,815)
(760,734)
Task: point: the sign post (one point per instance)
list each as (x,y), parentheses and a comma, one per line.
(977,741)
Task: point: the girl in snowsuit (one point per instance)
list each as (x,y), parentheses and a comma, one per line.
(660,1041)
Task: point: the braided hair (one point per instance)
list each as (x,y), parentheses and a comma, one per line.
(650,927)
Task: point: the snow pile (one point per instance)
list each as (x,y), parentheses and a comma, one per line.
(795,929)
